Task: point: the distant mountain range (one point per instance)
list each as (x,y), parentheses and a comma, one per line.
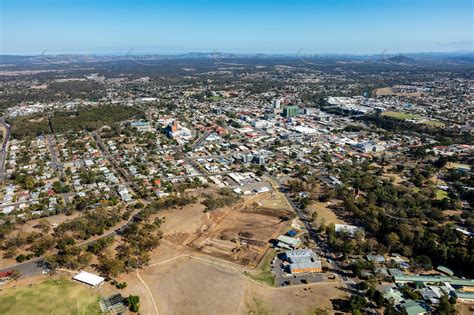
(409,58)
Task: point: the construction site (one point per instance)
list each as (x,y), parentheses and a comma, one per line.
(240,234)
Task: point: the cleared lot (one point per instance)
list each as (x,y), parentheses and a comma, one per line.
(239,234)
(190,286)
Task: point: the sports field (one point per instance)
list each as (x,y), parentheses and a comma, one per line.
(418,118)
(51,297)
(400,115)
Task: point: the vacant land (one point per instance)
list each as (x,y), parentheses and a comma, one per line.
(239,234)
(190,286)
(50,297)
(441,194)
(274,200)
(263,274)
(384,91)
(324,212)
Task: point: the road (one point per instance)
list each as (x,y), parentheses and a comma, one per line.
(36,266)
(200,140)
(313,235)
(3,154)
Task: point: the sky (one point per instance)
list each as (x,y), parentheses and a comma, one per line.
(37,27)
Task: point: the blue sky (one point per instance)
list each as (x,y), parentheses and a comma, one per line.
(317,26)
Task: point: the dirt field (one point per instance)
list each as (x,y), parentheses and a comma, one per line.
(384,91)
(189,286)
(465,309)
(324,212)
(240,234)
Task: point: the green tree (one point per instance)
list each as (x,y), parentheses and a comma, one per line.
(133,303)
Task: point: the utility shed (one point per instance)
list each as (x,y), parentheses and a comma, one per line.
(292,242)
(89,279)
(445,270)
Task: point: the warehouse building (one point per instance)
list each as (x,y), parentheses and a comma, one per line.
(302,261)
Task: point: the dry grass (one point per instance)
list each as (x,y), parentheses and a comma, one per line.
(324,212)
(189,286)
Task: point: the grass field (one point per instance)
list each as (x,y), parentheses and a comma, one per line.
(433,123)
(51,297)
(441,194)
(400,115)
(420,119)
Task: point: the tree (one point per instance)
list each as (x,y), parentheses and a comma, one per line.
(446,306)
(392,240)
(110,267)
(424,262)
(357,304)
(133,303)
(15,274)
(30,183)
(44,226)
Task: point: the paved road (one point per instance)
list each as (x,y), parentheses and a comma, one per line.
(55,163)
(3,153)
(36,266)
(313,235)
(29,268)
(17,203)
(200,140)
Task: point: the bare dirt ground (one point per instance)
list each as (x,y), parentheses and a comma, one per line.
(239,234)
(199,268)
(190,286)
(465,309)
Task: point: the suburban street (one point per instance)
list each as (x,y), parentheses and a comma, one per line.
(4,151)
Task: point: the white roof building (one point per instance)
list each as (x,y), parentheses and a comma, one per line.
(89,278)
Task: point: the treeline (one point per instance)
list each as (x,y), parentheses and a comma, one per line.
(401,220)
(90,224)
(225,198)
(393,124)
(92,118)
(86,118)
(85,89)
(30,125)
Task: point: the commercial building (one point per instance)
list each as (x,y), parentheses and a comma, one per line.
(303,261)
(142,126)
(175,131)
(276,104)
(291,111)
